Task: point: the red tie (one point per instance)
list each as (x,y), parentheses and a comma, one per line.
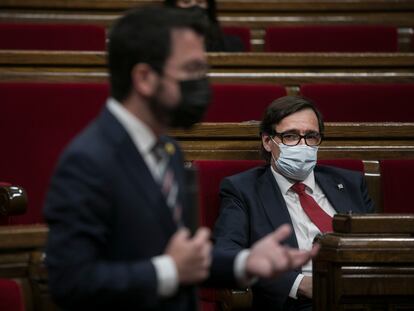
(316,214)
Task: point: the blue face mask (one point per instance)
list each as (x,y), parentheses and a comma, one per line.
(296,162)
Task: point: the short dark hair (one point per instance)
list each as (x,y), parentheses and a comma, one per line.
(280,109)
(211,10)
(143,35)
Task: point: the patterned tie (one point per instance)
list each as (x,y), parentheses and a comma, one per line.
(167,181)
(315,213)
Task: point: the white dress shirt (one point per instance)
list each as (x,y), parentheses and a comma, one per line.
(144,140)
(304,228)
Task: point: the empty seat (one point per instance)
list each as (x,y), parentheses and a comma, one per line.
(52,37)
(242,32)
(396,185)
(331,38)
(362,102)
(241,102)
(37,121)
(11,296)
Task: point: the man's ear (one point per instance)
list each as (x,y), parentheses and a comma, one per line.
(267,141)
(144,79)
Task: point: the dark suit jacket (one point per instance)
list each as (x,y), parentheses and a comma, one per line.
(253,206)
(107,219)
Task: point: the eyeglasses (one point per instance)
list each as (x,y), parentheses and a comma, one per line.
(292,139)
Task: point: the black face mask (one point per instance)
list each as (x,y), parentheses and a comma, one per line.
(195,98)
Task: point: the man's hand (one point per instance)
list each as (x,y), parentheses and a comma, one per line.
(305,287)
(268,258)
(192,256)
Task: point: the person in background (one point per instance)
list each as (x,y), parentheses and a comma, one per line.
(216,40)
(292,189)
(117,207)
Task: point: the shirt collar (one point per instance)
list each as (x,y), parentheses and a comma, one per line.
(285,184)
(142,136)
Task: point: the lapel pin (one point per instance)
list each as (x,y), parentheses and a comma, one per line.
(170,148)
(340,186)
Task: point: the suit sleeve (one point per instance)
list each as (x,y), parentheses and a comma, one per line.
(368,204)
(78,210)
(233,232)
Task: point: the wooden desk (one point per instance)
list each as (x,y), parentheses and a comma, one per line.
(367,264)
(289,69)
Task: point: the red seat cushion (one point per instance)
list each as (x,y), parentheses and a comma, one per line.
(241,102)
(52,37)
(242,32)
(11,297)
(362,102)
(37,121)
(396,185)
(331,38)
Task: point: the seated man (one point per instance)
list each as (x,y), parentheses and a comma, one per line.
(292,189)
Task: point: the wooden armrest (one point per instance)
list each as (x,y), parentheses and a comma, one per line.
(13,200)
(235,299)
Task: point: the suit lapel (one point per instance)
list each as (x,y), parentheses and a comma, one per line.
(335,190)
(136,169)
(274,204)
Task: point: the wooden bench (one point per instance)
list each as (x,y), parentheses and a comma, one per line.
(254,14)
(289,69)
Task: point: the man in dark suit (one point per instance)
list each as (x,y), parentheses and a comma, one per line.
(117,208)
(293,190)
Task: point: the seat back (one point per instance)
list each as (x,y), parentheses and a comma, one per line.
(37,121)
(396,185)
(242,32)
(52,37)
(241,102)
(331,38)
(11,296)
(210,174)
(362,102)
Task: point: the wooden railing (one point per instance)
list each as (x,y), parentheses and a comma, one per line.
(289,69)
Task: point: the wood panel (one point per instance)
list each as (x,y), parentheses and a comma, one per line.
(370,267)
(290,69)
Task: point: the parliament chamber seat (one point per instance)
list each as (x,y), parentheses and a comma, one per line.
(362,102)
(397,184)
(40,119)
(331,38)
(22,36)
(241,102)
(210,175)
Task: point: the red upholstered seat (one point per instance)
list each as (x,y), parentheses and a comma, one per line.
(37,120)
(242,32)
(241,102)
(210,174)
(397,185)
(52,37)
(362,102)
(331,38)
(11,296)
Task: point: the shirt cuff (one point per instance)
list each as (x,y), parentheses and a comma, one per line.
(294,290)
(167,275)
(240,269)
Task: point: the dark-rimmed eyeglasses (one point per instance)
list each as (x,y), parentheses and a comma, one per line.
(292,139)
